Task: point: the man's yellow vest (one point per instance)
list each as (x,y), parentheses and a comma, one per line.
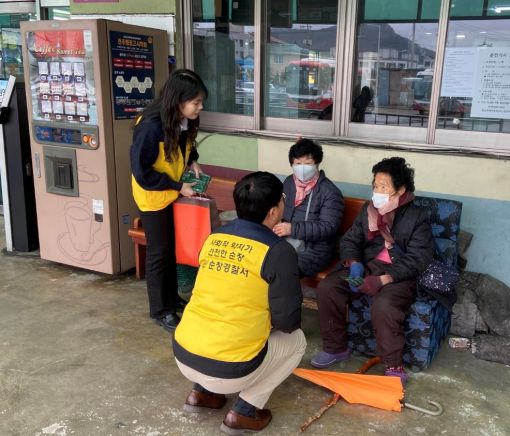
(228,317)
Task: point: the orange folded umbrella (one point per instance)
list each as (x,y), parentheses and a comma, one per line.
(372,390)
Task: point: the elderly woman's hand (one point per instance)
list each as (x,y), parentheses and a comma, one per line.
(373,284)
(356,271)
(283,229)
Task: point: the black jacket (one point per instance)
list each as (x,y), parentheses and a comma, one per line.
(412,233)
(320,231)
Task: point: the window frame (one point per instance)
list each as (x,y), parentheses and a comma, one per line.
(340,127)
(18,8)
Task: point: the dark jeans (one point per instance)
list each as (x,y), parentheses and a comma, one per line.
(389,307)
(160,269)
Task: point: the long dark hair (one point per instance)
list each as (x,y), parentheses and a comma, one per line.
(183,85)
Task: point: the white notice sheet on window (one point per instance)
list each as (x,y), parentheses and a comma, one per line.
(491,93)
(460,64)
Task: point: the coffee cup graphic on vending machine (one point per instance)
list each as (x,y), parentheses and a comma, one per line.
(79,242)
(79,224)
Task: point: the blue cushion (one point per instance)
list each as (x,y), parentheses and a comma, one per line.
(425,327)
(444,218)
(446,251)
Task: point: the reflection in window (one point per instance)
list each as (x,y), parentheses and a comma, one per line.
(396,43)
(11,60)
(301,59)
(475,90)
(58,13)
(223,52)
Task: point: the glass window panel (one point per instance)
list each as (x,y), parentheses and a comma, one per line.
(223,53)
(203,10)
(475,90)
(466,8)
(11,60)
(58,13)
(316,11)
(390,10)
(393,72)
(498,8)
(430,9)
(301,58)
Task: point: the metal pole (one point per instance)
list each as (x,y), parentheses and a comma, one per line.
(377,64)
(438,70)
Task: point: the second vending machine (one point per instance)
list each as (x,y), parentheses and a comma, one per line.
(86,82)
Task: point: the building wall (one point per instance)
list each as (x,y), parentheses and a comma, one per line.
(124,7)
(481,184)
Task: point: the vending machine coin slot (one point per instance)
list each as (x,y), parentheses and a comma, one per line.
(61,171)
(63,175)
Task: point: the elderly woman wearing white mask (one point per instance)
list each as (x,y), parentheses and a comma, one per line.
(388,246)
(313,209)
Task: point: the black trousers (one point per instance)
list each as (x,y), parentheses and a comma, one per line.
(389,307)
(160,264)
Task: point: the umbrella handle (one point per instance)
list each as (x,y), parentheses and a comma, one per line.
(331,402)
(368,364)
(437,412)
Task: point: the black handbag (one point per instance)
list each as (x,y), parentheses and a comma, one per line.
(439,277)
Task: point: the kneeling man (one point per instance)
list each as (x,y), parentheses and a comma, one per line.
(240,332)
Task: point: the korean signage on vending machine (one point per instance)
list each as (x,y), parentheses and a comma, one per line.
(132,73)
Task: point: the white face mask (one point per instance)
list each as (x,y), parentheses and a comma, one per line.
(380,200)
(304,172)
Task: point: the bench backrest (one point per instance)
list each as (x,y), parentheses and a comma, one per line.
(222,190)
(352,207)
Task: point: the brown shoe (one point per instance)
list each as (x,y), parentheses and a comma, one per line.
(235,424)
(198,401)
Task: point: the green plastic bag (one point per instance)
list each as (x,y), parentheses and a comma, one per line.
(186,276)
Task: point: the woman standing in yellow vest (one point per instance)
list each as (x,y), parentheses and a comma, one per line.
(164,144)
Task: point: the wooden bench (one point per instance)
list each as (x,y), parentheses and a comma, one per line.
(220,189)
(352,206)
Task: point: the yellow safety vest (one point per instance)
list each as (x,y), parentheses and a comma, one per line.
(147,200)
(228,317)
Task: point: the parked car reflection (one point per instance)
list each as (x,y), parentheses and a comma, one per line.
(276,98)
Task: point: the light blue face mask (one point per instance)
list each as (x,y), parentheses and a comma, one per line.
(380,200)
(304,172)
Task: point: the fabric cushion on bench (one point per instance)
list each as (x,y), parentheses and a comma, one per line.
(425,327)
(428,321)
(444,216)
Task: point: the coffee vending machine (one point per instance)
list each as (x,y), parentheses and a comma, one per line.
(86,82)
